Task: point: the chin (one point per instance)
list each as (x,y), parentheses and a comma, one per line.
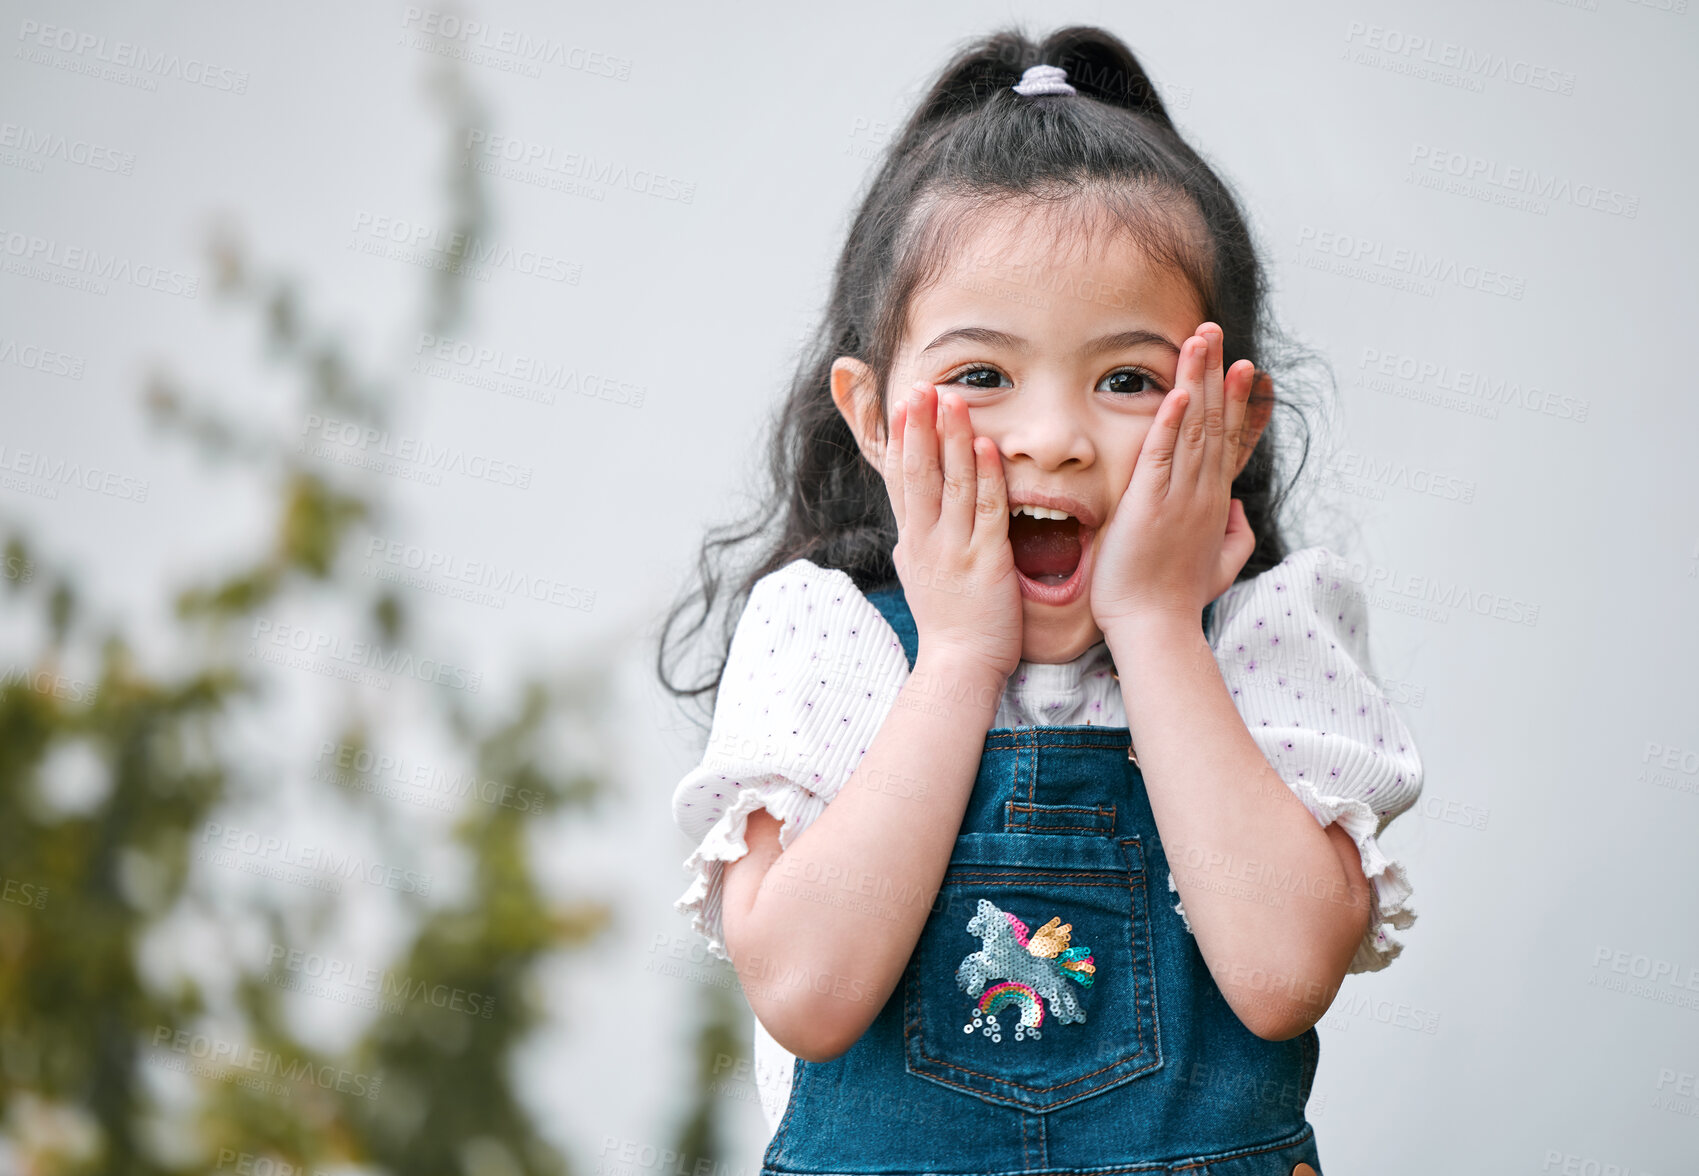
(1050,639)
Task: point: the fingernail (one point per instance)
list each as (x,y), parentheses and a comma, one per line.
(914,394)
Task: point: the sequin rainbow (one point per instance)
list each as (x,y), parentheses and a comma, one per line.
(1011,992)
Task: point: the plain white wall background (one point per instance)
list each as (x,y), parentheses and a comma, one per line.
(1526,449)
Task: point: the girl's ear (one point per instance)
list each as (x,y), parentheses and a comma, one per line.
(856,394)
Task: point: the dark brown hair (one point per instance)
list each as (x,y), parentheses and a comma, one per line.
(973,143)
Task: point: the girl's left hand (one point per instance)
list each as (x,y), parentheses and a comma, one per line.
(1177,538)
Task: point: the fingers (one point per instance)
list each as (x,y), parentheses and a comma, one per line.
(1187,447)
(992,506)
(921,491)
(1200,429)
(1238,390)
(939,475)
(1213,417)
(1211,435)
(893,464)
(961,475)
(1156,456)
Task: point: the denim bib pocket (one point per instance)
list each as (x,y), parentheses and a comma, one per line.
(1033,983)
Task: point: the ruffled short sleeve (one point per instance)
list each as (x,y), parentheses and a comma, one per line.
(1292,645)
(812,670)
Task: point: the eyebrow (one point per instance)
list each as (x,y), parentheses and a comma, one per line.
(1112,342)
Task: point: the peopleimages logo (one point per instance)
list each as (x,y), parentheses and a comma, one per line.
(431,565)
(1409,593)
(59,686)
(55,472)
(322,975)
(467,249)
(31,256)
(1381,369)
(232,1056)
(1477,175)
(1377,473)
(436,460)
(516,374)
(476,39)
(381,769)
(41,359)
(129,55)
(1449,61)
(1413,266)
(539,159)
(34,146)
(313,643)
(337,864)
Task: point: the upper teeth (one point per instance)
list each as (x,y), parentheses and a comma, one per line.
(1040,512)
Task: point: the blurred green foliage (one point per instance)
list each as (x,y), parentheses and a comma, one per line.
(92,887)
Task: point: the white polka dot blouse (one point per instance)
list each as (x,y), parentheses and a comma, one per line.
(814,668)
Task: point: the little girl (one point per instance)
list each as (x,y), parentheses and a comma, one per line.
(1039,813)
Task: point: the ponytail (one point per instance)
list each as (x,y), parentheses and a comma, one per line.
(1097,64)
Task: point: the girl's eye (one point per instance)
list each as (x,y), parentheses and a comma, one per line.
(980,377)
(1132,381)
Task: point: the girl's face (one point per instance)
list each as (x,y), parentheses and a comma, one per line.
(1063,354)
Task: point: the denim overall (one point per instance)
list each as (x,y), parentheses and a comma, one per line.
(995,1055)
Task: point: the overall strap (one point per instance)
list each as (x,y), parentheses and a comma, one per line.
(893,606)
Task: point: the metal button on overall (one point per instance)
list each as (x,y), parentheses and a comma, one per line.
(1055,1014)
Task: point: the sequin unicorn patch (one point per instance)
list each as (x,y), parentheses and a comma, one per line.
(1032,967)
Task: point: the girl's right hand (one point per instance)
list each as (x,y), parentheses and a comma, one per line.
(953,554)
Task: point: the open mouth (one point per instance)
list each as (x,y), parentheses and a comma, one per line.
(1052,551)
(1047,548)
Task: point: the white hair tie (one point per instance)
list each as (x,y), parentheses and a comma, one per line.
(1044,79)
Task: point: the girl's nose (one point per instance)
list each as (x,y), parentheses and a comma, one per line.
(1044,427)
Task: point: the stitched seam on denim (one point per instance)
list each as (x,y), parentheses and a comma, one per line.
(1078,736)
(1156,1166)
(1102,739)
(1303,1136)
(1014,806)
(1141,919)
(911,1008)
(1029,826)
(1089,738)
(980,871)
(1056,880)
(1032,774)
(1137,1024)
(1141,912)
(790,1106)
(1311,1058)
(1214,1158)
(1098,741)
(1004,1082)
(1032,779)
